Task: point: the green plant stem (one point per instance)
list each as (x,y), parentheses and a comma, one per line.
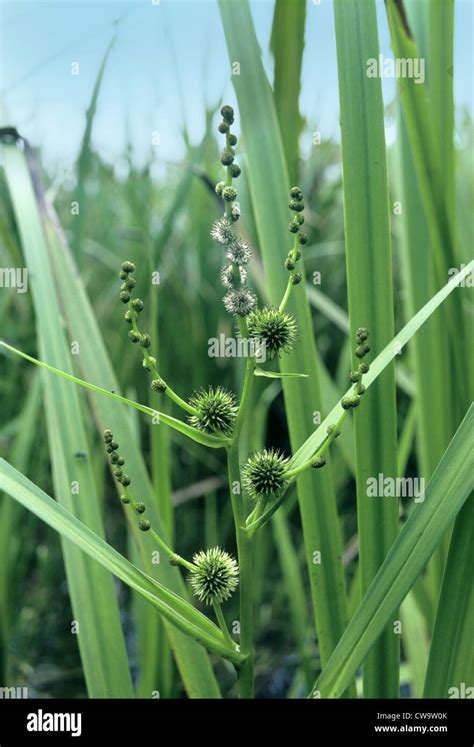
(325,446)
(151,367)
(222,622)
(290,285)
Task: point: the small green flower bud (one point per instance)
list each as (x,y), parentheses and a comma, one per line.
(293,227)
(144,525)
(233,140)
(362,350)
(346,403)
(229,194)
(235,170)
(130,282)
(128,316)
(227,157)
(125,480)
(227,114)
(140,507)
(297,255)
(134,336)
(289,264)
(125,296)
(332,429)
(319,462)
(128,266)
(123,275)
(114,445)
(296,193)
(223,127)
(299,219)
(118,472)
(158,385)
(364,368)
(354,376)
(150,363)
(296,278)
(114,457)
(108,436)
(361,390)
(137,304)
(121,461)
(362,334)
(303,238)
(109,450)
(219,187)
(125,499)
(295,205)
(145,340)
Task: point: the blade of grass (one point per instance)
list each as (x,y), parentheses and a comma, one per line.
(287,44)
(451,661)
(269,188)
(370,300)
(91,589)
(415,643)
(445,496)
(177,610)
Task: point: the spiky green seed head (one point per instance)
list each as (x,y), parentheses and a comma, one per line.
(137,304)
(134,336)
(124,296)
(128,266)
(233,140)
(158,385)
(215,576)
(277,328)
(240,301)
(216,411)
(296,278)
(239,252)
(263,474)
(145,340)
(140,507)
(227,157)
(227,114)
(229,194)
(319,462)
(235,170)
(144,525)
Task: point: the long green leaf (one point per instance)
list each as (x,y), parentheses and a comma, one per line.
(94,603)
(287,44)
(173,607)
(451,660)
(312,444)
(269,187)
(444,498)
(370,296)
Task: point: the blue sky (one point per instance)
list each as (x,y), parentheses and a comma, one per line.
(168,60)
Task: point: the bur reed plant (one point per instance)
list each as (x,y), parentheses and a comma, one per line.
(263,479)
